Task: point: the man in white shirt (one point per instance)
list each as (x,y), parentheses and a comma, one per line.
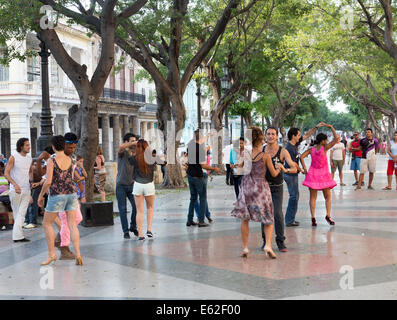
(19,173)
(226,160)
(337,160)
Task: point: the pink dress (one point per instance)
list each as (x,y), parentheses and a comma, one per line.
(318,177)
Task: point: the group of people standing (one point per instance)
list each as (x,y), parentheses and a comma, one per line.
(260,192)
(59,187)
(57,182)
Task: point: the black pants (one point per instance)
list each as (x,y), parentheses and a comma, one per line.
(237,182)
(277,198)
(229,175)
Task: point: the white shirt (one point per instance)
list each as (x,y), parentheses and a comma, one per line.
(337,151)
(20,171)
(226,154)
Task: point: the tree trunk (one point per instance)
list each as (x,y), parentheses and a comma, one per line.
(172,135)
(216,123)
(284,135)
(248,120)
(88,143)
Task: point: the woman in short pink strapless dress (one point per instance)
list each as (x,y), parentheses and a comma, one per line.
(318,177)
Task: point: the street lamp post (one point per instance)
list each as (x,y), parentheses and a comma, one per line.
(46,118)
(198,93)
(225,84)
(242,126)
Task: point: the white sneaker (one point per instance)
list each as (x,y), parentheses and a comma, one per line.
(25,224)
(30,226)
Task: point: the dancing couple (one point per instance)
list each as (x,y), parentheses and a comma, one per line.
(254,202)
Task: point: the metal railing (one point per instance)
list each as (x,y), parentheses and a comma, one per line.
(123,95)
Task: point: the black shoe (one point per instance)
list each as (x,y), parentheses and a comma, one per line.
(149,234)
(127,235)
(135,231)
(191,223)
(293,224)
(210,220)
(203,224)
(22,240)
(355,183)
(281,246)
(141,238)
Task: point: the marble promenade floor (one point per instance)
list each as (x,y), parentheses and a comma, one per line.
(203,263)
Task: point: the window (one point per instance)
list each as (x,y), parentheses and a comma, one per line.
(54,72)
(4,76)
(33,68)
(3,73)
(33,62)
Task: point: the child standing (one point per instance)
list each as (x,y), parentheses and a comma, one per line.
(318,177)
(81,175)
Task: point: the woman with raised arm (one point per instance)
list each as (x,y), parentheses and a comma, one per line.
(254,201)
(318,177)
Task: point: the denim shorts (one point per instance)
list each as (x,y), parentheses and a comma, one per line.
(62,202)
(355,164)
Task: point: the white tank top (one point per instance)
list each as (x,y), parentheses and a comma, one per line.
(20,171)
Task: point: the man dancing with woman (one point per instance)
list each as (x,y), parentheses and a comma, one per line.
(318,177)
(254,201)
(62,197)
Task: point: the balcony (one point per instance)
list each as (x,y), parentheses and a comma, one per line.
(123,95)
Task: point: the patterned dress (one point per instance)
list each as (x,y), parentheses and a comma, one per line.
(254,201)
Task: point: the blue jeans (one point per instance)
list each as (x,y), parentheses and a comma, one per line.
(33,210)
(293,190)
(197,186)
(197,205)
(122,193)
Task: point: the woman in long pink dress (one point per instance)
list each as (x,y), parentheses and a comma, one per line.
(318,177)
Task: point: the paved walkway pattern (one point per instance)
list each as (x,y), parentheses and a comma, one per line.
(203,263)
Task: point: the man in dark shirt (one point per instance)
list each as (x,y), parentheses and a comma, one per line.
(277,154)
(291,179)
(370,147)
(196,178)
(125,184)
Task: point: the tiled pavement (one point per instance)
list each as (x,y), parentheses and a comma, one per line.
(203,263)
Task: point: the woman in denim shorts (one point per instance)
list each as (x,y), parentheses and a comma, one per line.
(62,197)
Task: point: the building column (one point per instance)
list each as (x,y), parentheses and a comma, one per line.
(126,126)
(66,124)
(150,132)
(135,125)
(116,135)
(143,129)
(19,127)
(105,136)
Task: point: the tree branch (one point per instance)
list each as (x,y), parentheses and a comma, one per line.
(106,60)
(208,45)
(132,9)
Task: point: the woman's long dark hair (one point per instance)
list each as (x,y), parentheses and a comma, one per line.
(140,156)
(319,138)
